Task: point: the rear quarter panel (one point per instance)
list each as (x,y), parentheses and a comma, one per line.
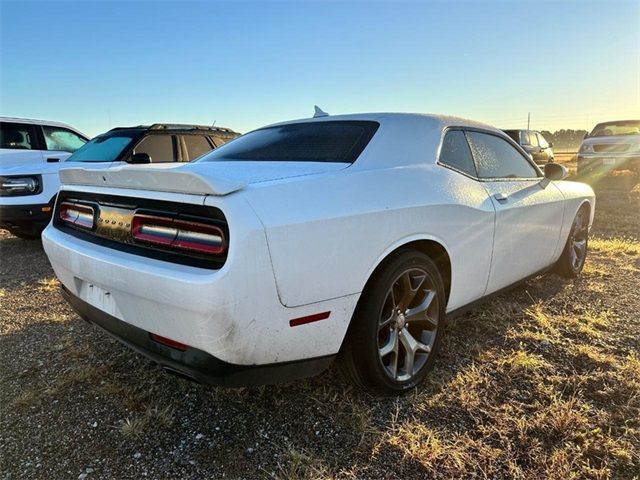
(327,234)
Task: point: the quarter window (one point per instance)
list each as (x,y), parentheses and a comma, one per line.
(197,145)
(496,158)
(159,147)
(61,139)
(16,136)
(455,153)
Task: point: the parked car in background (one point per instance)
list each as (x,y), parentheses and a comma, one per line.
(30,154)
(610,146)
(350,236)
(533,143)
(24,141)
(28,190)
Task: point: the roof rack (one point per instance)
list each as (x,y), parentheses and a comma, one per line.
(183,126)
(178,126)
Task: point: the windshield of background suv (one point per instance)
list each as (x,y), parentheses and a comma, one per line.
(631,127)
(324,141)
(105,148)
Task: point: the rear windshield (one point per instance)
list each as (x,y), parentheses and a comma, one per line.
(628,127)
(105,148)
(326,141)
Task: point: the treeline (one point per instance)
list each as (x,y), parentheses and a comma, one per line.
(565,139)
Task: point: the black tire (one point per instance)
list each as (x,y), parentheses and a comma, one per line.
(361,359)
(574,255)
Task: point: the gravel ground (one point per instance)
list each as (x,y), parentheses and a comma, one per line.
(542,382)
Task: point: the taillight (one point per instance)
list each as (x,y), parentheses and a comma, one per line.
(168,342)
(179,234)
(77,214)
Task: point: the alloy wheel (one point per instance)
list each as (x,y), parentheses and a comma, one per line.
(579,234)
(408,324)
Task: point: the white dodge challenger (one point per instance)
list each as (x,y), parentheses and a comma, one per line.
(350,236)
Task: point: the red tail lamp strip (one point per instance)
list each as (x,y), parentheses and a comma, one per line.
(77,214)
(309,319)
(179,234)
(168,342)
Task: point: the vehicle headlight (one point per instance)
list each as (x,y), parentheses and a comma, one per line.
(586,148)
(24,185)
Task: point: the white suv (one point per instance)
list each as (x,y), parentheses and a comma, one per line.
(30,156)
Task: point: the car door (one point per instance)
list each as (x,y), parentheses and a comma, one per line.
(545,149)
(19,144)
(60,143)
(528,216)
(473,223)
(534,148)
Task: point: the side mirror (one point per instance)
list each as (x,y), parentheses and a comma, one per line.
(550,144)
(586,135)
(553,171)
(141,157)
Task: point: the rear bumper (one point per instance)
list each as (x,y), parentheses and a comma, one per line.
(193,363)
(32,217)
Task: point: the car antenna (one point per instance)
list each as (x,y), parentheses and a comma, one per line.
(318,112)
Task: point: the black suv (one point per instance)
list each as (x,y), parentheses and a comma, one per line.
(157,143)
(533,143)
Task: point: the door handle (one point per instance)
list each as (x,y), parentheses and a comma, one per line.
(501,197)
(52,160)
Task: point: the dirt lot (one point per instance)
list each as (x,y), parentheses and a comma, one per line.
(543,382)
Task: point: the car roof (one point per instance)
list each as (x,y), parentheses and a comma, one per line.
(400,118)
(613,122)
(402,138)
(31,121)
(180,128)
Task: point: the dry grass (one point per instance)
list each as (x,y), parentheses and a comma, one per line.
(615,245)
(152,418)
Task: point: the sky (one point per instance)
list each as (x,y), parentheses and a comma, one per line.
(97,64)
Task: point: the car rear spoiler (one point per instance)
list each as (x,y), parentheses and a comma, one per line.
(156,179)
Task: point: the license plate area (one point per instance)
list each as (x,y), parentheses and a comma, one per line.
(608,161)
(96,296)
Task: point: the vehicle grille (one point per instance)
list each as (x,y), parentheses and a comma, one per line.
(113,222)
(611,147)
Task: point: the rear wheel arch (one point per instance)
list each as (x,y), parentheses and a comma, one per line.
(433,249)
(585,204)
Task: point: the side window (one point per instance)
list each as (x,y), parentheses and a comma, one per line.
(197,145)
(524,138)
(61,139)
(496,158)
(534,139)
(17,136)
(218,141)
(455,153)
(543,142)
(159,147)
